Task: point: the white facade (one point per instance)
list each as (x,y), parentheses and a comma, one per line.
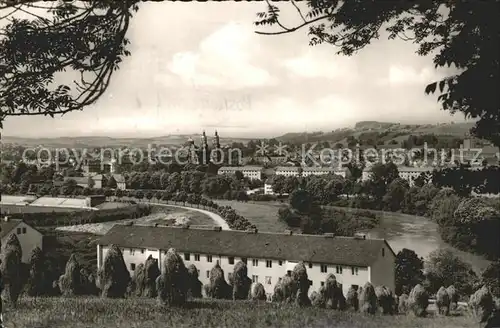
(251,172)
(410,174)
(289,171)
(268,189)
(29,238)
(270,271)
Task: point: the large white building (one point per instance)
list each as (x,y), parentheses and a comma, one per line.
(289,171)
(251,172)
(28,237)
(269,256)
(408,173)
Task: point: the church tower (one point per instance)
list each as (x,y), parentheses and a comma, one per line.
(216,142)
(204,152)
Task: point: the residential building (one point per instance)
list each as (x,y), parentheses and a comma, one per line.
(473,153)
(410,173)
(120,181)
(269,256)
(251,172)
(268,188)
(29,237)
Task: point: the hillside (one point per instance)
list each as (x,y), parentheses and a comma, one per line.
(387,131)
(89,142)
(92,312)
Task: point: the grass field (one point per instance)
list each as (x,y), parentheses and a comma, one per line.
(263,214)
(144,313)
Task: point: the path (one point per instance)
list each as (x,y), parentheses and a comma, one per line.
(216,217)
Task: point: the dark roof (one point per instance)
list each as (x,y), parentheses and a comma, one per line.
(317,249)
(7,226)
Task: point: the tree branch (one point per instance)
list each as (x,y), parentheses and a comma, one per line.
(293,29)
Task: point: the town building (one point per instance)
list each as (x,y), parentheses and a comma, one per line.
(202,154)
(293,171)
(251,172)
(474,153)
(410,173)
(29,237)
(269,256)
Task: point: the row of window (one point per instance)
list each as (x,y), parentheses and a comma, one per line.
(255,262)
(21,231)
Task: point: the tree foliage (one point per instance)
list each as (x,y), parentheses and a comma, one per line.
(458,33)
(85,40)
(408,271)
(10,268)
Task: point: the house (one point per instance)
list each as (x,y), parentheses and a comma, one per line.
(85,182)
(288,171)
(410,173)
(269,256)
(120,181)
(251,172)
(29,237)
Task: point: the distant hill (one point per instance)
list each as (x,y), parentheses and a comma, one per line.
(389,131)
(89,142)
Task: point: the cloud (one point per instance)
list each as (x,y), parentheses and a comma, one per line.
(406,75)
(222,60)
(316,63)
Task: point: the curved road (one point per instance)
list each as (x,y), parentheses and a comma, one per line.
(216,217)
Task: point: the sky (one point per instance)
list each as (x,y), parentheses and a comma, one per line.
(201,66)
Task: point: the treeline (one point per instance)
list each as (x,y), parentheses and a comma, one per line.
(47,219)
(174,284)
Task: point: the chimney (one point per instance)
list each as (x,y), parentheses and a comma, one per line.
(6,219)
(185,226)
(359,236)
(329,235)
(252,230)
(217,228)
(289,232)
(157,224)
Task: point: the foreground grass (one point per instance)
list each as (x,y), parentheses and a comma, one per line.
(144,313)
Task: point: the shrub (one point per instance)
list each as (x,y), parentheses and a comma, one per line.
(241,283)
(332,294)
(452,293)
(70,283)
(385,299)
(403,304)
(151,272)
(113,277)
(352,301)
(443,301)
(258,293)
(171,284)
(36,285)
(299,276)
(418,300)
(194,284)
(285,290)
(481,304)
(218,287)
(368,299)
(316,299)
(10,268)
(137,281)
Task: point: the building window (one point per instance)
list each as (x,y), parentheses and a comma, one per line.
(268,280)
(18,231)
(24,230)
(310,282)
(354,271)
(230,260)
(269,264)
(131,251)
(187,256)
(323,268)
(289,273)
(244,260)
(209,258)
(255,262)
(280,262)
(229,275)
(255,279)
(142,251)
(196,257)
(339,269)
(310,265)
(132,266)
(355,287)
(383,251)
(279,279)
(322,283)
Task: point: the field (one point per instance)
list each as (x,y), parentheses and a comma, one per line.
(161,214)
(144,313)
(264,215)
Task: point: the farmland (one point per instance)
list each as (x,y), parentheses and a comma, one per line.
(144,313)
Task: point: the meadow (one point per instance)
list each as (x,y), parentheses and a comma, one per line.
(144,313)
